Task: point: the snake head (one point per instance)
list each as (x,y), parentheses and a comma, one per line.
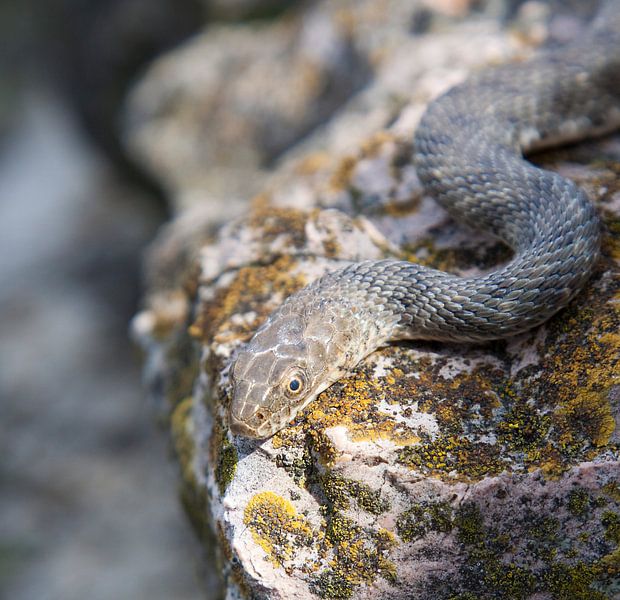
(280,371)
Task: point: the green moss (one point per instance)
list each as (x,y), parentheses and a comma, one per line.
(338,490)
(181,428)
(298,467)
(432,455)
(574,582)
(469,523)
(341,529)
(332,584)
(421,518)
(540,543)
(544,529)
(611,522)
(508,581)
(193,496)
(579,502)
(359,557)
(335,489)
(226,465)
(484,569)
(368,499)
(505,580)
(183,358)
(543,537)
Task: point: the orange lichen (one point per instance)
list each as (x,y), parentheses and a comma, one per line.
(371,147)
(252,289)
(374,144)
(341,177)
(312,164)
(271,222)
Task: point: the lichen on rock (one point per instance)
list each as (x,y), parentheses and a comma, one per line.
(433,471)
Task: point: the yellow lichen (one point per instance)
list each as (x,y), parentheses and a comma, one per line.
(276,527)
(342,174)
(462,458)
(353,554)
(312,164)
(226,464)
(338,491)
(354,404)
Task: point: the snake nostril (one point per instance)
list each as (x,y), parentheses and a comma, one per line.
(260,416)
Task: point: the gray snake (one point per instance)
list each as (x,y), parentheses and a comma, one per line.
(468,153)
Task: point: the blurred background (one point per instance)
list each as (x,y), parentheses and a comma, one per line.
(88,492)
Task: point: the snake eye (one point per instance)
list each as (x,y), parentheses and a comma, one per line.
(294,384)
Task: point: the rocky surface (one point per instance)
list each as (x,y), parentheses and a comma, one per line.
(211,119)
(434,471)
(253,89)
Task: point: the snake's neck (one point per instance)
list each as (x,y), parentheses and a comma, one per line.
(347,320)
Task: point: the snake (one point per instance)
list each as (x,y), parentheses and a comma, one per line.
(469,151)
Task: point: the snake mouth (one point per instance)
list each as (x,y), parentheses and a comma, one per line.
(238,427)
(257,426)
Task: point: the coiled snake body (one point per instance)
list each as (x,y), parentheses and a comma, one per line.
(469,155)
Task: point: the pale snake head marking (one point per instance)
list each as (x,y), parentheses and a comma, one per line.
(281,370)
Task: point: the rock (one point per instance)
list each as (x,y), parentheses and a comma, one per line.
(435,471)
(211,119)
(254,90)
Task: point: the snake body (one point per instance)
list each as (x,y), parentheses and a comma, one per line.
(468,153)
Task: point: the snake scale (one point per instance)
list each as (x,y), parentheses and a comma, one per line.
(469,149)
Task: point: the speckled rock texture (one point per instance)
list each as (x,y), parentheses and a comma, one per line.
(435,471)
